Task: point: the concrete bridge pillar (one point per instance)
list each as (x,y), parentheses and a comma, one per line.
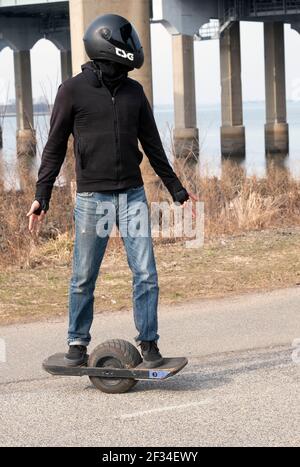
(66,64)
(26,140)
(83,12)
(232,130)
(276,128)
(185,131)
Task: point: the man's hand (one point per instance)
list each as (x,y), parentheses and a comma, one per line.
(35,219)
(193,198)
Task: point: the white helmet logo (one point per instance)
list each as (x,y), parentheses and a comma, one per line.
(124,54)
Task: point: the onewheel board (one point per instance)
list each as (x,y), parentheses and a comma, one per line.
(114,367)
(56,366)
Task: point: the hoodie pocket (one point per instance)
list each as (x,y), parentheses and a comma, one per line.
(98,156)
(79,155)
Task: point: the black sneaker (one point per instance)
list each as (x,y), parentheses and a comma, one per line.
(151,355)
(76,355)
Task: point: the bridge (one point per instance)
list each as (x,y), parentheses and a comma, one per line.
(23,23)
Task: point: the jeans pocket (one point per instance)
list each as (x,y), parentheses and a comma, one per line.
(136,189)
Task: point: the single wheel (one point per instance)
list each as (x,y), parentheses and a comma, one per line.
(115,353)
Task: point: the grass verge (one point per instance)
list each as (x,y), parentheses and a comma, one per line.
(253,261)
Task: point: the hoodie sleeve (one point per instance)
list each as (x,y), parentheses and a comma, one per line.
(149,137)
(61,125)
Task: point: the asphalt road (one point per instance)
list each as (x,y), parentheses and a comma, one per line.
(241,387)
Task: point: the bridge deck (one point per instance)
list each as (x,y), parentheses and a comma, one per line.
(7,3)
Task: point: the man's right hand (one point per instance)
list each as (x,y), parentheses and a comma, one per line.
(35,219)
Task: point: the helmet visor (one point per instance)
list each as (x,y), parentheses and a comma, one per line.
(126,37)
(130,37)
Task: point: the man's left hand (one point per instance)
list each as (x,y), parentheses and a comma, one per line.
(193,198)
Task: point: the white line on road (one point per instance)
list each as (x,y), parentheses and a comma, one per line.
(164,409)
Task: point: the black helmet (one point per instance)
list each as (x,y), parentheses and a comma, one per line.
(112,37)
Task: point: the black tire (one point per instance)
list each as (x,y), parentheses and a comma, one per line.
(115,353)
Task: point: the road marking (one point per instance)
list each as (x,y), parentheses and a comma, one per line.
(164,409)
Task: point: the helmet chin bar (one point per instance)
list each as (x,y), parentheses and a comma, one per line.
(117,66)
(113,57)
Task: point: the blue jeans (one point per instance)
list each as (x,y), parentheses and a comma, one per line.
(95,214)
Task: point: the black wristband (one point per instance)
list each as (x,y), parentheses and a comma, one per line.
(44,206)
(181,196)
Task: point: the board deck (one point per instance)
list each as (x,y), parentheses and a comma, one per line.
(56,366)
(170,367)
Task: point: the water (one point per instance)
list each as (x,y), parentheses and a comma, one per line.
(208,120)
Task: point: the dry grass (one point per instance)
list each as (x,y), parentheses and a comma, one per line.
(234,204)
(17,246)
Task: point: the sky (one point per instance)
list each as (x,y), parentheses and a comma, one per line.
(45,64)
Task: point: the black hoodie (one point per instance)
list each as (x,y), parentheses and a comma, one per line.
(106,127)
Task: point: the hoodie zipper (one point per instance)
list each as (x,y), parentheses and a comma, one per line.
(117,136)
(116,124)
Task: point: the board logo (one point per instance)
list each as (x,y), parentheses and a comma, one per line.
(124,54)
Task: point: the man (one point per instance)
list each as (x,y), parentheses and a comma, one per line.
(107,113)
